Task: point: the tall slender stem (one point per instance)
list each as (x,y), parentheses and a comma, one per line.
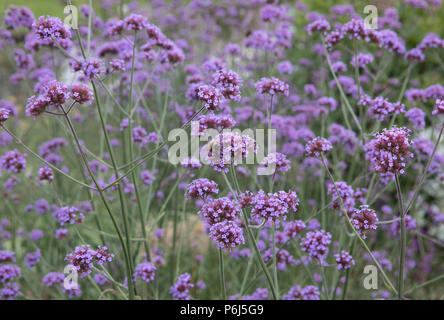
(222,275)
(403,243)
(107,206)
(253,242)
(384,275)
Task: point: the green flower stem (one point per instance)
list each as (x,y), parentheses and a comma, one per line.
(107,206)
(384,275)
(17,139)
(222,275)
(341,90)
(403,243)
(253,240)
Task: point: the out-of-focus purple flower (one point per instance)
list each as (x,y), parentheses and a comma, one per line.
(417,117)
(318,26)
(32,258)
(318,146)
(61,233)
(8,272)
(296,292)
(181,289)
(68,215)
(145,271)
(53,278)
(100,279)
(439,107)
(415,55)
(272,86)
(92,68)
(13,161)
(36,234)
(229,83)
(10,291)
(17,17)
(135,22)
(49,28)
(45,173)
(285,67)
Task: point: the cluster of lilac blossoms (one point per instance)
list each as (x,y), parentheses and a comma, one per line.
(144,271)
(229,149)
(274,206)
(388,151)
(83,258)
(201,188)
(181,289)
(318,146)
(316,243)
(272,86)
(13,161)
(296,292)
(221,218)
(344,260)
(364,219)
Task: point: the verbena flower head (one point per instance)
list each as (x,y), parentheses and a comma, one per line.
(9,272)
(81,94)
(201,188)
(210,96)
(48,28)
(92,68)
(102,256)
(415,55)
(439,107)
(145,271)
(272,86)
(135,22)
(316,243)
(318,26)
(45,173)
(181,289)
(229,83)
(219,210)
(13,161)
(17,17)
(7,256)
(388,151)
(317,146)
(229,149)
(293,228)
(68,215)
(296,292)
(344,260)
(277,160)
(364,219)
(32,258)
(10,291)
(4,114)
(82,259)
(147,177)
(274,206)
(346,193)
(53,278)
(227,235)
